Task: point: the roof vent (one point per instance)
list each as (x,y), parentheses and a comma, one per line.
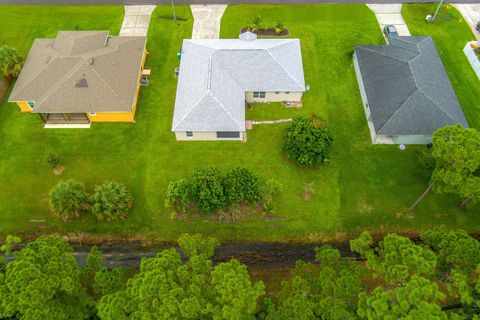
(248,36)
(91,60)
(82,83)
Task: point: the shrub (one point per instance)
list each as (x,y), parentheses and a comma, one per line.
(178,195)
(279,27)
(11,62)
(240,184)
(308,141)
(111,201)
(52,158)
(68,199)
(207,190)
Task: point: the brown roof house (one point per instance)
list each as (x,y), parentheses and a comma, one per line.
(81,77)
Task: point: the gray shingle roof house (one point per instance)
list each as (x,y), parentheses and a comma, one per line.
(405,89)
(217,76)
(81,72)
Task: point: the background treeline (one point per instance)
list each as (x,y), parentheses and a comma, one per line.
(436,277)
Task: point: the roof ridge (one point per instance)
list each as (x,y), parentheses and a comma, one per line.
(399,109)
(109,86)
(438,106)
(224,109)
(380,53)
(54,87)
(191,109)
(278,62)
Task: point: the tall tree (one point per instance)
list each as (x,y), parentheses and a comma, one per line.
(327,289)
(456,151)
(169,288)
(43,282)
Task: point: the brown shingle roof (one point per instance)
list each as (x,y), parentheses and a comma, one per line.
(81,71)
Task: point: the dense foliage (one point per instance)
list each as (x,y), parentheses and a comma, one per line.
(308,141)
(454,165)
(111,201)
(11,62)
(169,288)
(68,198)
(209,190)
(437,277)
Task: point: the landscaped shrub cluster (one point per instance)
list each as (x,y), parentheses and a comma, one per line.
(257,24)
(208,190)
(11,62)
(308,141)
(110,201)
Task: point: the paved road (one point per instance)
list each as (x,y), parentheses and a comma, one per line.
(139,2)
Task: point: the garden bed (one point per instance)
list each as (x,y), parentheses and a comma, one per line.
(270,32)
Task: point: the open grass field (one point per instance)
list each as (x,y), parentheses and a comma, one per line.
(363,187)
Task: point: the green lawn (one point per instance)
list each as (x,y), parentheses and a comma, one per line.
(363,187)
(450,34)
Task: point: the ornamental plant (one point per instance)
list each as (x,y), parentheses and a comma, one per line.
(240,184)
(207,190)
(308,141)
(68,199)
(111,201)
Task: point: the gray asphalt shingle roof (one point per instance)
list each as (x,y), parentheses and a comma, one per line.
(216,73)
(407,87)
(81,71)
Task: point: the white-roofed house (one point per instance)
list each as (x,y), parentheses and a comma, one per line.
(218,76)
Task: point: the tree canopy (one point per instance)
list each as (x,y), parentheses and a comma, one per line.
(11,62)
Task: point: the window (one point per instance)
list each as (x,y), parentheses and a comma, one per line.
(366,105)
(92,113)
(277,92)
(228,134)
(259,94)
(287,92)
(189,134)
(31,104)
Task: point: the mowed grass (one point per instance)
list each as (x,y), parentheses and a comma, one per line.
(450,34)
(363,186)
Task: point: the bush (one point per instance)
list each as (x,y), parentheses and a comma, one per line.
(68,199)
(52,158)
(111,201)
(11,62)
(240,184)
(207,190)
(178,195)
(308,141)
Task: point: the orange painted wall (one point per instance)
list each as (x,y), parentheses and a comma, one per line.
(24,106)
(112,117)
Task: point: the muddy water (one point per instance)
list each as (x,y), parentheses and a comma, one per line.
(254,255)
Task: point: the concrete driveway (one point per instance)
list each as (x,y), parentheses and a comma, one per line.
(471,14)
(206,20)
(136,20)
(390,14)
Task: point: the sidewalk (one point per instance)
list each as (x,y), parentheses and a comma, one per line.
(136,20)
(207,18)
(390,14)
(471,14)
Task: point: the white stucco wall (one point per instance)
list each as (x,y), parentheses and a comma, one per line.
(403,139)
(203,135)
(293,96)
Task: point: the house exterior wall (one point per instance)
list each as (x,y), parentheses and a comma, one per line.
(403,139)
(363,95)
(203,135)
(24,107)
(271,96)
(112,116)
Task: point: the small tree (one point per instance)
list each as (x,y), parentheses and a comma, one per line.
(51,158)
(112,201)
(68,199)
(457,160)
(11,62)
(240,184)
(207,190)
(308,141)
